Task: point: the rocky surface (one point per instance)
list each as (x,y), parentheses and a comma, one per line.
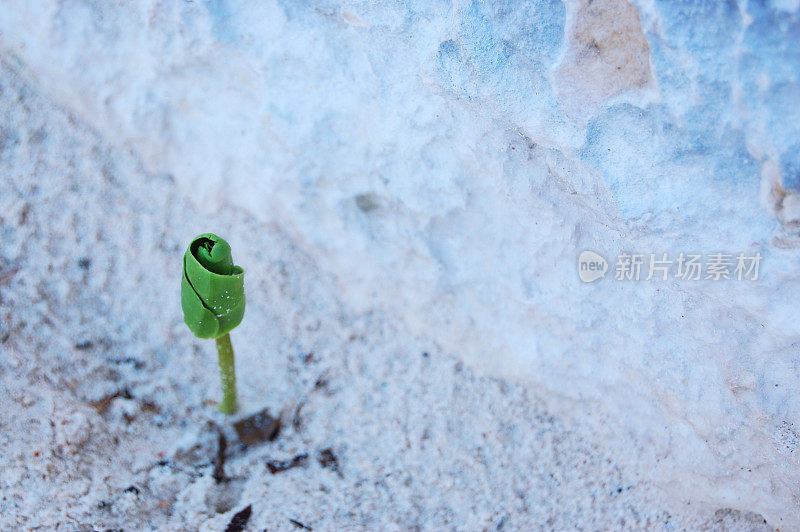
(408,189)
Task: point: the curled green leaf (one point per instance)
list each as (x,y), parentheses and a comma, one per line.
(212,289)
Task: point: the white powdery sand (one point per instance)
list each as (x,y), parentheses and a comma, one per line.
(408,190)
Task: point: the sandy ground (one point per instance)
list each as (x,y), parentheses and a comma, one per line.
(107,401)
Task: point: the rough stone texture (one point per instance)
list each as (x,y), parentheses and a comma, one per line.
(607,54)
(408,188)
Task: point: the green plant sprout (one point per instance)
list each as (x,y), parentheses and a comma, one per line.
(212,298)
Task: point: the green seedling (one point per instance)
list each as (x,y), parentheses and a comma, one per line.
(212,297)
